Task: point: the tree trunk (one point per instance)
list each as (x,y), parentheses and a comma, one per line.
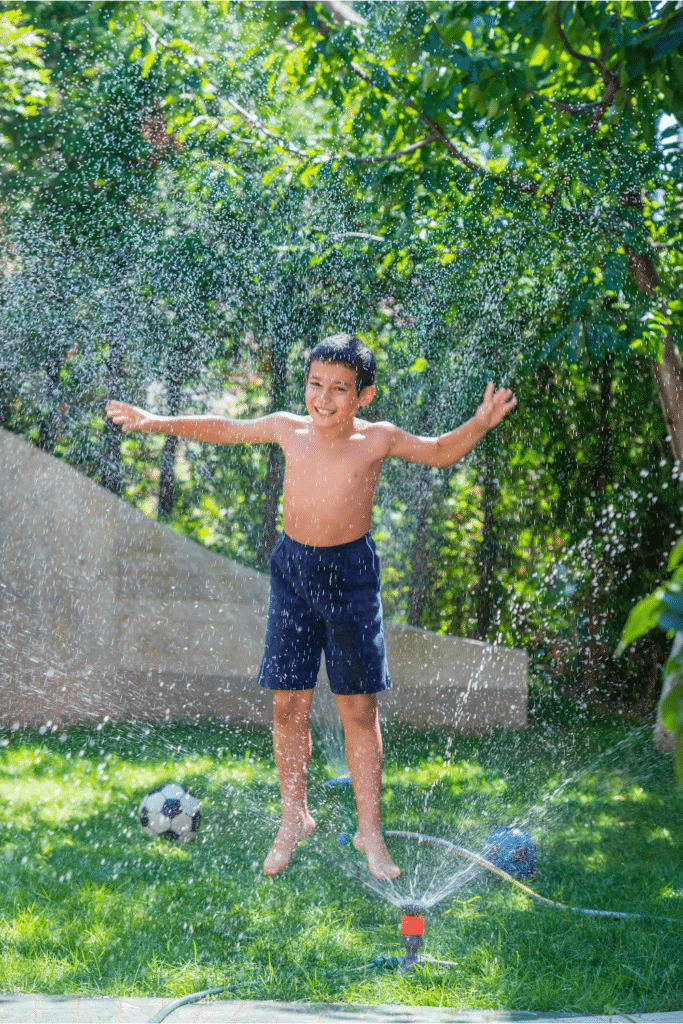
(47,431)
(593,645)
(111,472)
(275,470)
(168,456)
(669,380)
(669,373)
(419,569)
(601,470)
(487,550)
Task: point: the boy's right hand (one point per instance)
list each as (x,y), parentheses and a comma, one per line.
(129,417)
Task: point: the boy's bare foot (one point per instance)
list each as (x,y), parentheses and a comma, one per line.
(380,863)
(289,836)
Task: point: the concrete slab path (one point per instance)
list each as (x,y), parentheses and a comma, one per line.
(38,1009)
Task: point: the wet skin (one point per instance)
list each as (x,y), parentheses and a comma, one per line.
(333,459)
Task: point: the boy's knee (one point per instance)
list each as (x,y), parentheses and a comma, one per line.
(359,710)
(288,704)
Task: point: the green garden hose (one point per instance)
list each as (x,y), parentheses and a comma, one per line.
(476,858)
(193,997)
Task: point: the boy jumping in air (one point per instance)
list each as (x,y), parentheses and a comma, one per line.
(324,570)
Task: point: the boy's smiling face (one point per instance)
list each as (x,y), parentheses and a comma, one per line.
(332,398)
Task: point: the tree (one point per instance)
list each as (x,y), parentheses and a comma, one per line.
(558,103)
(482,190)
(25,81)
(89,189)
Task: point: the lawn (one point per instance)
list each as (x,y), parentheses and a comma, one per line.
(89,905)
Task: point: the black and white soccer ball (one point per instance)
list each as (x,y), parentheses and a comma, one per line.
(170,812)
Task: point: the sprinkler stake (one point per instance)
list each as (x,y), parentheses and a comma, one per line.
(412,940)
(412,937)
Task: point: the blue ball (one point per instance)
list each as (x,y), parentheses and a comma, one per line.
(511,850)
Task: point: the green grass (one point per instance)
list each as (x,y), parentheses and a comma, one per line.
(89,905)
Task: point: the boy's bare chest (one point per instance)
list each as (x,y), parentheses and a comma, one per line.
(343,463)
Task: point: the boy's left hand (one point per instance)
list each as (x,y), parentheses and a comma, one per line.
(495,406)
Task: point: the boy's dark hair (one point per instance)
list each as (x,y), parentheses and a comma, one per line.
(351,352)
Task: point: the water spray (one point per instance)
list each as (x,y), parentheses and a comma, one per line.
(505,847)
(343,783)
(508,853)
(412,920)
(481,861)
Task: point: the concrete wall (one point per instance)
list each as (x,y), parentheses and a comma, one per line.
(105,612)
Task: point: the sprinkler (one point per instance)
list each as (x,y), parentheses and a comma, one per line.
(412,940)
(412,920)
(412,935)
(508,853)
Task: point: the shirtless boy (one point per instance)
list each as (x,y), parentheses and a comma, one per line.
(325,571)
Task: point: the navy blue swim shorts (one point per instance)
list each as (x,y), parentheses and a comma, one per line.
(325,599)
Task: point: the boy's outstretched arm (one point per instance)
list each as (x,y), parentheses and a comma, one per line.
(449,448)
(215,429)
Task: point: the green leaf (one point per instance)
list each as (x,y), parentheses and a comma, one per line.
(580,300)
(613,273)
(601,338)
(148,63)
(428,78)
(573,342)
(642,618)
(432,42)
(380,77)
(311,172)
(669,40)
(552,344)
(676,553)
(460,58)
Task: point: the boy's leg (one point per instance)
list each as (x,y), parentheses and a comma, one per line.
(358,713)
(292,748)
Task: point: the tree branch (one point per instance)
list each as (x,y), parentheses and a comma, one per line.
(569,108)
(585,58)
(438,135)
(350,234)
(392,156)
(249,118)
(530,188)
(609,77)
(441,136)
(343,13)
(606,101)
(255,122)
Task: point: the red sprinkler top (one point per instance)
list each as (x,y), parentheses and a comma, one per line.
(412,925)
